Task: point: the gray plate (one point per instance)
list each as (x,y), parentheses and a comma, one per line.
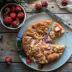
(65,39)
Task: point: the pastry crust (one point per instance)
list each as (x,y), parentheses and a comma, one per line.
(35,46)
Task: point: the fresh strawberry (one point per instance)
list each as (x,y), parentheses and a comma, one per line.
(57,29)
(8,59)
(14,23)
(13,15)
(8,19)
(18,8)
(44,4)
(28,60)
(38,6)
(20,15)
(58,25)
(64,2)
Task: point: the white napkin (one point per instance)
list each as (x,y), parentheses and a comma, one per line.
(68,7)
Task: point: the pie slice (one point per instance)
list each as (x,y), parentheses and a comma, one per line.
(38,30)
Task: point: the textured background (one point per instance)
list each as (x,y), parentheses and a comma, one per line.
(8,43)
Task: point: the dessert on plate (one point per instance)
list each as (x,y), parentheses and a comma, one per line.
(39,45)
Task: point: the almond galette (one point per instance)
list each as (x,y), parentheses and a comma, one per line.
(39,45)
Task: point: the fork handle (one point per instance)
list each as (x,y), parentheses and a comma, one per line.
(59,19)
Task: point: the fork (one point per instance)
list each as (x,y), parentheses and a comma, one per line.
(57,18)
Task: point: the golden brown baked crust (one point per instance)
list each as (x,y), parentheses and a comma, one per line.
(35,46)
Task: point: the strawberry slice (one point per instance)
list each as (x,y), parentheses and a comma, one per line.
(14,23)
(57,29)
(58,25)
(8,59)
(38,6)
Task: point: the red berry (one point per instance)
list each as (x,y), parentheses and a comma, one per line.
(64,2)
(13,9)
(44,4)
(38,6)
(8,59)
(13,15)
(14,23)
(28,60)
(8,19)
(20,15)
(18,8)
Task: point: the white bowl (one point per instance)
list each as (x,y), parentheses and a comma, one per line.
(1,17)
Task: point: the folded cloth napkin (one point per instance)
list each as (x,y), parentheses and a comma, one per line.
(3,2)
(68,6)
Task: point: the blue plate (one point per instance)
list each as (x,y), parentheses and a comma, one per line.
(66,39)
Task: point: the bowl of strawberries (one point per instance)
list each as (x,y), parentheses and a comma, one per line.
(13,16)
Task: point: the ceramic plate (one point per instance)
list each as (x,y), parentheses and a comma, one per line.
(65,39)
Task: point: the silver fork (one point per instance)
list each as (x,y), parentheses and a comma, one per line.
(57,18)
